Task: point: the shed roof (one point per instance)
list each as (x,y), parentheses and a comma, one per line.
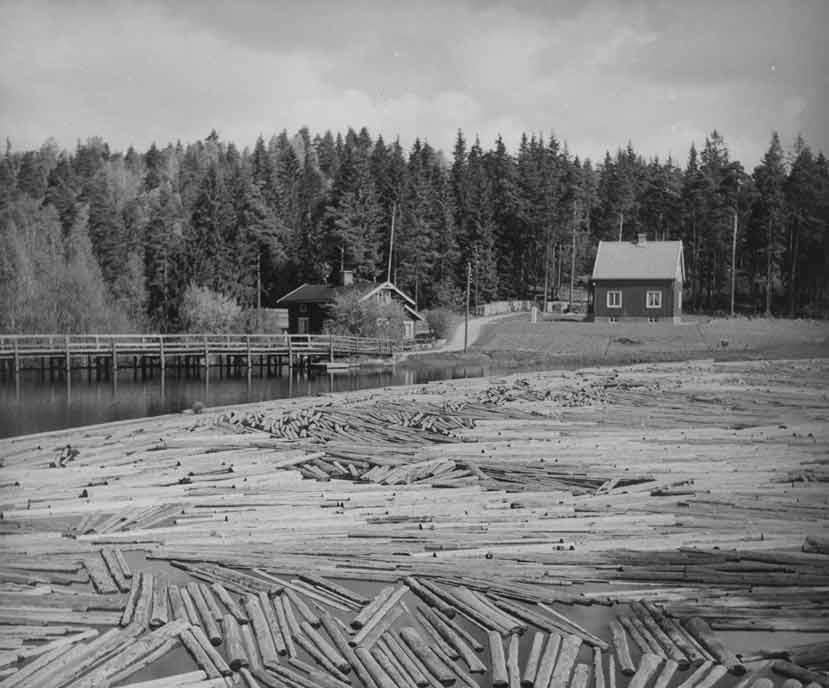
(322,293)
(648,260)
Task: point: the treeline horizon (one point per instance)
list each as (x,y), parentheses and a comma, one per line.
(101,240)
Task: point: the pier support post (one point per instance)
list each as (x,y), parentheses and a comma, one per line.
(68,356)
(161,354)
(331,348)
(206,353)
(16,361)
(114,359)
(290,355)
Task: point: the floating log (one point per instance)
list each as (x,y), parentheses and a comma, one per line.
(664,678)
(468,638)
(143,605)
(236,655)
(211,651)
(132,599)
(266,604)
(763,683)
(816,544)
(570,647)
(383,625)
(278,605)
(230,604)
(160,613)
(581,676)
(696,676)
(648,664)
(620,643)
(319,657)
(671,650)
(261,631)
(429,597)
(392,669)
(378,615)
(713,676)
(512,662)
(251,650)
(380,677)
(548,660)
(360,620)
(531,667)
(335,588)
(190,606)
(437,638)
(115,570)
(802,674)
(176,603)
(456,641)
(208,622)
(703,633)
(304,610)
(411,637)
(412,670)
(331,653)
(498,661)
(598,669)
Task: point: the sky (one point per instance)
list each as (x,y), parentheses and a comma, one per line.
(594,74)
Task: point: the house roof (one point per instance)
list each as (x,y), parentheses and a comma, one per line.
(322,293)
(650,260)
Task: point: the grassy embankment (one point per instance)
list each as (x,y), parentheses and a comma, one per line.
(566,343)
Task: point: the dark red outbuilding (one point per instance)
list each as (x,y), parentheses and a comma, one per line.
(641,279)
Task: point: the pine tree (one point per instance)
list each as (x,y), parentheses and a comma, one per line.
(206,249)
(770,179)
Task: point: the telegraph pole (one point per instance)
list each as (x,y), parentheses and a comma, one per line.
(466,321)
(259,291)
(733,261)
(573,258)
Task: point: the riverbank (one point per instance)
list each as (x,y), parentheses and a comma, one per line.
(692,486)
(515,341)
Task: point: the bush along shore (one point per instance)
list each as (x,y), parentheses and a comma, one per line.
(661,524)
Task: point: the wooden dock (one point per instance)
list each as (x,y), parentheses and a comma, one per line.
(108,352)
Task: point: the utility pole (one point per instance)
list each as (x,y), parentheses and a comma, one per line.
(733,261)
(466,321)
(621,222)
(391,241)
(573,259)
(259,292)
(476,277)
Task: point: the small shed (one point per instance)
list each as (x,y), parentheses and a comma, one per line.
(308,304)
(641,279)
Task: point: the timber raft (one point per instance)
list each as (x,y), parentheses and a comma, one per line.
(633,527)
(106,353)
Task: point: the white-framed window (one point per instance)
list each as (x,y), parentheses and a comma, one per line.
(614,298)
(303,308)
(302,325)
(653,299)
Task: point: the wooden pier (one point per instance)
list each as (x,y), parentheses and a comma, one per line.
(109,352)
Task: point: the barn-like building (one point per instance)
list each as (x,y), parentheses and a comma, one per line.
(308,304)
(641,279)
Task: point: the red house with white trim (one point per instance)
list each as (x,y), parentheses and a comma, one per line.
(641,279)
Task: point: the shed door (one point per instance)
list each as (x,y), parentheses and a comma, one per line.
(302,325)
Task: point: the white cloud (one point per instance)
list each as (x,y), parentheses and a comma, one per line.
(595,75)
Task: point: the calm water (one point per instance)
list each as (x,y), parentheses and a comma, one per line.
(36,404)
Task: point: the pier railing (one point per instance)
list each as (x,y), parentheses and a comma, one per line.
(20,347)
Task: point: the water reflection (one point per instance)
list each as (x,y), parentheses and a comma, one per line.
(36,402)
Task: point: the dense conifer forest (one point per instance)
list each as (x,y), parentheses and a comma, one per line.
(96,239)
